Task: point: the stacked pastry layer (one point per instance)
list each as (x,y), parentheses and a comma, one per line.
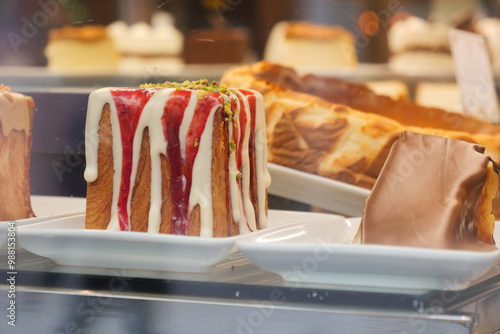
(185,159)
(16,124)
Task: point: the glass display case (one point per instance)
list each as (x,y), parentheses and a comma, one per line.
(306,272)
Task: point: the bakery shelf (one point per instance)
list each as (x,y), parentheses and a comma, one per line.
(236,297)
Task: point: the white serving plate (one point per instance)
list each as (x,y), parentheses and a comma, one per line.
(45,208)
(334,196)
(316,252)
(66,242)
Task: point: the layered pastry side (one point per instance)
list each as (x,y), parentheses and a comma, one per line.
(16,123)
(187,159)
(147,47)
(72,49)
(433,192)
(343,130)
(306,45)
(417,46)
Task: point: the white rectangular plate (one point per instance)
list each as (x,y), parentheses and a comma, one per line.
(315,252)
(66,242)
(45,208)
(334,196)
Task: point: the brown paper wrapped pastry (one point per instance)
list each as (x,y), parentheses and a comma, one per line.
(16,124)
(186,159)
(433,192)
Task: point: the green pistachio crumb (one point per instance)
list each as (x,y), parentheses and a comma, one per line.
(228,112)
(232,145)
(201,94)
(238,176)
(196,142)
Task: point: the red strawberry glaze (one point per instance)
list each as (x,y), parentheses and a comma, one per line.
(129,105)
(252,103)
(183,169)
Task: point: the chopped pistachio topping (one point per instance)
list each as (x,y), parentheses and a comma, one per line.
(228,111)
(232,145)
(204,84)
(232,90)
(196,142)
(238,176)
(201,94)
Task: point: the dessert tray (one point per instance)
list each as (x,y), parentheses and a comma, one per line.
(322,192)
(302,247)
(317,253)
(45,208)
(143,251)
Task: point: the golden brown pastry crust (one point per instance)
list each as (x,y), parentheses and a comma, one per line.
(14,170)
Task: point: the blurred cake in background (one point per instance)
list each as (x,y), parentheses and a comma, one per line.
(395,89)
(16,125)
(443,95)
(308,45)
(144,47)
(82,49)
(417,46)
(218,45)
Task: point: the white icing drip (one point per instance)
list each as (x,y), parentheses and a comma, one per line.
(97,100)
(201,187)
(245,174)
(263,176)
(14,113)
(186,122)
(236,202)
(114,224)
(151,119)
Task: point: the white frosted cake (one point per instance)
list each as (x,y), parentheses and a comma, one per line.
(308,45)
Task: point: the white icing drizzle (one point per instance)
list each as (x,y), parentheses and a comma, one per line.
(245,174)
(97,100)
(263,176)
(201,188)
(14,113)
(236,199)
(151,119)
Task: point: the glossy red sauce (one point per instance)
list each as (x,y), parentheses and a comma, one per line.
(129,105)
(182,169)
